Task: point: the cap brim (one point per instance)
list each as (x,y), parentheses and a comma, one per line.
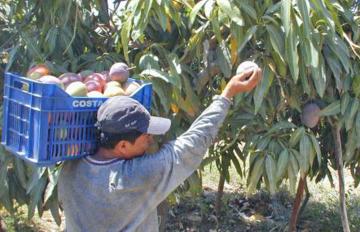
(158,125)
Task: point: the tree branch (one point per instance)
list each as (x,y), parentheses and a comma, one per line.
(205,75)
(339,162)
(296,206)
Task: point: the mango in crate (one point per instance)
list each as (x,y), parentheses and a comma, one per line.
(95,94)
(37,71)
(106,76)
(49,79)
(98,77)
(61,133)
(112,91)
(72,149)
(77,89)
(93,85)
(68,78)
(119,72)
(130,87)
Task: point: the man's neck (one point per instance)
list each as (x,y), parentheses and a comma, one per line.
(105,154)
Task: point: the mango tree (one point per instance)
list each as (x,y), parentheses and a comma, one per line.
(300,121)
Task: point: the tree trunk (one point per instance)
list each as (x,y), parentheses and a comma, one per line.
(306,199)
(1,226)
(339,163)
(296,206)
(218,203)
(162,211)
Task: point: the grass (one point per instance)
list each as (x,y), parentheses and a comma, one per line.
(258,212)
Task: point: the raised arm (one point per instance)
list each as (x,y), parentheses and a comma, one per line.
(178,159)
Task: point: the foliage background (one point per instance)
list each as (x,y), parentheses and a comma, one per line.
(188,50)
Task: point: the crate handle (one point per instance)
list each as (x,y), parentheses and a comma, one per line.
(22,85)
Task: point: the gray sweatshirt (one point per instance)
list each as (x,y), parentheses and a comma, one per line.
(122,195)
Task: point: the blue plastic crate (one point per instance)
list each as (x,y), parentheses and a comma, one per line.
(44,125)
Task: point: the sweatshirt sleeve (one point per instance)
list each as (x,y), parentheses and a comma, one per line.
(178,159)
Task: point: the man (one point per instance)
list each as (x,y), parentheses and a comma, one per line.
(119,187)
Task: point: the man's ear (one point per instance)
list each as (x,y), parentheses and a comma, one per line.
(121,147)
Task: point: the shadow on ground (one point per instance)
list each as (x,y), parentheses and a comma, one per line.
(259,212)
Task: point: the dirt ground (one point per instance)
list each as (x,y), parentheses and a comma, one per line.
(259,212)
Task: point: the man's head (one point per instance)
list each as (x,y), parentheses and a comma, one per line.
(126,127)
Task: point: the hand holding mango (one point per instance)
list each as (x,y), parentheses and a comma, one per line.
(247,77)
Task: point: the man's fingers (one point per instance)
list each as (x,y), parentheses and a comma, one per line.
(246,74)
(254,79)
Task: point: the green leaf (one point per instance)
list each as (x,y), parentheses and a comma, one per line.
(270,167)
(195,184)
(286,15)
(263,143)
(175,70)
(5,199)
(345,100)
(350,117)
(35,195)
(350,146)
(231,10)
(356,85)
(332,109)
(276,39)
(55,210)
(293,162)
(162,91)
(224,59)
(280,126)
(304,78)
(12,56)
(305,14)
(311,54)
(208,9)
(357,123)
(125,34)
(335,66)
(262,89)
(4,186)
(162,19)
(312,153)
(296,136)
(52,38)
(141,19)
(249,34)
(292,179)
(291,52)
(159,74)
(191,96)
(195,10)
(305,151)
(197,37)
(340,49)
(248,9)
(319,78)
(49,191)
(236,164)
(320,8)
(20,172)
(282,164)
(35,178)
(256,174)
(316,147)
(149,61)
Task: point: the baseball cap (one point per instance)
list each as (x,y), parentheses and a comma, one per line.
(122,114)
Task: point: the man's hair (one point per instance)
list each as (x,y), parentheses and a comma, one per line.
(109,140)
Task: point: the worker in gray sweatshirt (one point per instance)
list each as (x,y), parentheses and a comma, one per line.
(119,187)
